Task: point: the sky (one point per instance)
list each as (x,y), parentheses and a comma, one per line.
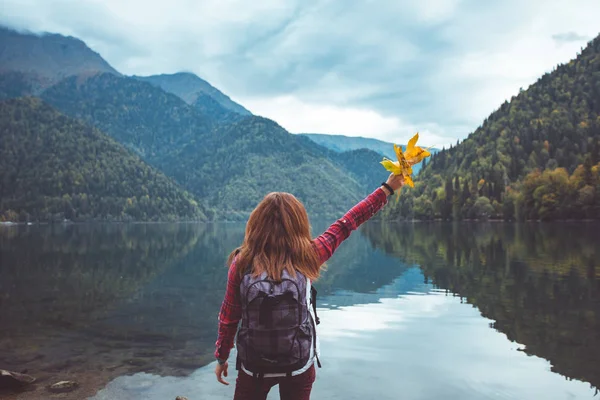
(381,69)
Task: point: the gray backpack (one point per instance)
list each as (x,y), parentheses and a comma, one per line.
(277,336)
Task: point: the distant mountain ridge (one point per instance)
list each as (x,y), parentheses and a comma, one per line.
(42,60)
(193,89)
(341,143)
(48,58)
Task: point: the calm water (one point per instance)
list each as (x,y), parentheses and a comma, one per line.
(423,311)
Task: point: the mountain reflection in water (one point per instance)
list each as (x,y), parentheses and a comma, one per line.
(104,301)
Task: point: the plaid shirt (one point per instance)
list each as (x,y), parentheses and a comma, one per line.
(325,245)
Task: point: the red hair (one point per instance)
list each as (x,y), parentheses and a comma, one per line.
(277,238)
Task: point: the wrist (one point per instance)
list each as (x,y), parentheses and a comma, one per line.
(387,189)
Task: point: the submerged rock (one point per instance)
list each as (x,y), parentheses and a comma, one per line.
(181,398)
(63,387)
(10,379)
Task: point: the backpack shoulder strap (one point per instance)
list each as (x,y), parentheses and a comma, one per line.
(313,301)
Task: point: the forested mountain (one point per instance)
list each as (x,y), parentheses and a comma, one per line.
(364,166)
(53,167)
(144,118)
(193,90)
(536,157)
(16,84)
(243,161)
(48,58)
(229,167)
(213,147)
(211,108)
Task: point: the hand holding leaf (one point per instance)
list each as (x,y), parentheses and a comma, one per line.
(413,155)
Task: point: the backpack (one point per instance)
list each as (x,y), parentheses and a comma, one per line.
(277,336)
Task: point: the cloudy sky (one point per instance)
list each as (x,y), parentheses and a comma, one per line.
(382,69)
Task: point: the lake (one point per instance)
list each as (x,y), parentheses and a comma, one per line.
(408,311)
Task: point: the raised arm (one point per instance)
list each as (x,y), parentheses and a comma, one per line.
(329,241)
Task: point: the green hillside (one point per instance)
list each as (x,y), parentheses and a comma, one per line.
(228,166)
(536,157)
(363,165)
(53,167)
(16,84)
(243,161)
(137,114)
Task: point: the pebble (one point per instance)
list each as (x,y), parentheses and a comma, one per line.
(63,387)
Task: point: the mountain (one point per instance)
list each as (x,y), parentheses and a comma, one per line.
(30,63)
(536,157)
(341,143)
(194,90)
(54,167)
(144,118)
(243,161)
(16,84)
(216,150)
(214,110)
(46,59)
(229,167)
(363,165)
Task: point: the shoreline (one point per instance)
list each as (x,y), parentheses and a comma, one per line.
(94,374)
(379,220)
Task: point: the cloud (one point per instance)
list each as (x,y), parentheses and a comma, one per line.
(385,69)
(567,37)
(297,116)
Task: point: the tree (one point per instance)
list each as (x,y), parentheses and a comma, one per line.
(448,197)
(482,209)
(466,194)
(456,204)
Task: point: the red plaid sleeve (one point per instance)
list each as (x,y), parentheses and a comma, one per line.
(230,315)
(329,241)
(325,245)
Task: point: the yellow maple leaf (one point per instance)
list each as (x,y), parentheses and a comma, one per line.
(406,159)
(415,154)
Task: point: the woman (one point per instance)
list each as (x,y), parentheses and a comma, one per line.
(269,290)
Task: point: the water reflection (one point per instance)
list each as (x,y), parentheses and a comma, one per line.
(93,302)
(540,284)
(115,299)
(96,301)
(423,344)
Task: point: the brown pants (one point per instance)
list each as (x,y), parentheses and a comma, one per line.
(295,388)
